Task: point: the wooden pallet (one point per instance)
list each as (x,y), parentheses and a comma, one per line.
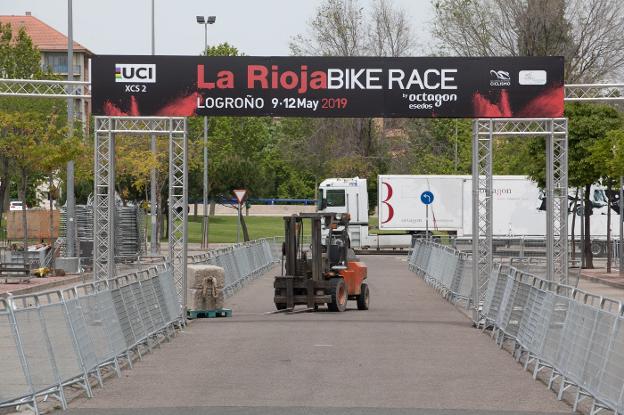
(221,312)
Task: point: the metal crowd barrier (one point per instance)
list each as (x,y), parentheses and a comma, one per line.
(61,338)
(448,270)
(538,266)
(574,337)
(241,262)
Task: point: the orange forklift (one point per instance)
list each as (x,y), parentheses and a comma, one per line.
(324,272)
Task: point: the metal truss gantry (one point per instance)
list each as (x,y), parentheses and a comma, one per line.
(594,92)
(484,133)
(555,132)
(104,191)
(45,88)
(49,88)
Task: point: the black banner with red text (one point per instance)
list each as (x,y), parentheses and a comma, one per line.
(419,87)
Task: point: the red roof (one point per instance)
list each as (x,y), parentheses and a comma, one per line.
(46,38)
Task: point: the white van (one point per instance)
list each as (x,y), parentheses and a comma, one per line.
(16,205)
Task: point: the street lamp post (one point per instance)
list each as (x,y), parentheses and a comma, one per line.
(154,239)
(71,197)
(621,244)
(204,244)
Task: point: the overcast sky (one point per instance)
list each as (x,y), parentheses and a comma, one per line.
(256,27)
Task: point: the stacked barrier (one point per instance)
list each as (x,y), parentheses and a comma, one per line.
(61,338)
(241,262)
(574,337)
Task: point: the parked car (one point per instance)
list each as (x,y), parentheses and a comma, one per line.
(16,205)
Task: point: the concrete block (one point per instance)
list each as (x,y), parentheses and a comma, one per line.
(204,287)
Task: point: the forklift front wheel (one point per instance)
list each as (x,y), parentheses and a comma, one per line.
(338,294)
(363,299)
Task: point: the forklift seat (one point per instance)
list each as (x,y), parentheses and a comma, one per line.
(335,254)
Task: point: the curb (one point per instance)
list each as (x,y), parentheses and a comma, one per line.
(602,281)
(45,287)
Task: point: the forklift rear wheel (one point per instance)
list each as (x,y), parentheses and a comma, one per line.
(339,295)
(279,306)
(363,298)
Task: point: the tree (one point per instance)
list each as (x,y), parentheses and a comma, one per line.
(134,162)
(222,49)
(588,124)
(34,143)
(608,152)
(19,58)
(589,34)
(337,29)
(389,32)
(55,150)
(343,28)
(430,146)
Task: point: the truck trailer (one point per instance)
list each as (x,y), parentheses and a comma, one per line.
(519,208)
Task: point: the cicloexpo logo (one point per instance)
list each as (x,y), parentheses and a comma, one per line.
(135,72)
(499,78)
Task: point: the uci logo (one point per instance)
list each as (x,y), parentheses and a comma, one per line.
(136,73)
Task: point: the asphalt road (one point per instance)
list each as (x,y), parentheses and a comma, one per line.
(411,353)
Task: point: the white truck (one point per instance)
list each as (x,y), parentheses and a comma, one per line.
(518,205)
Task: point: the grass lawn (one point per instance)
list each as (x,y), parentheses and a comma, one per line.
(222,229)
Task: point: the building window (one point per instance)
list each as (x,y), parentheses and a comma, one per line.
(57,63)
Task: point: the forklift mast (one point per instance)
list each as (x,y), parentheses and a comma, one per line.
(296,260)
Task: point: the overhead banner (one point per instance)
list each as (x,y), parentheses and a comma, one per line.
(427,87)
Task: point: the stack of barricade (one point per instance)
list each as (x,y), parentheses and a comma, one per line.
(241,262)
(446,269)
(576,339)
(68,337)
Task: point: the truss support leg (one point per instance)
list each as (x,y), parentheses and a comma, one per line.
(104,200)
(178,208)
(557,201)
(481,210)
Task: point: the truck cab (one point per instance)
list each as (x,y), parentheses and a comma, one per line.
(346,195)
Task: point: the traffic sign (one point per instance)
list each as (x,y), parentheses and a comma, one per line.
(426,197)
(240,194)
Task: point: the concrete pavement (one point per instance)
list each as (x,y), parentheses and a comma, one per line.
(604,290)
(411,353)
(613,279)
(273,410)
